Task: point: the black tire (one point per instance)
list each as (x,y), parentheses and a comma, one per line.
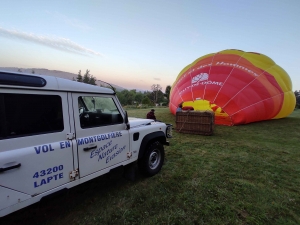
(153,159)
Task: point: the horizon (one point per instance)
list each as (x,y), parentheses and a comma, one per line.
(137,44)
(15,69)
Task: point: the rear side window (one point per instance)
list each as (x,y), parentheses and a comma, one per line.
(98,111)
(29,114)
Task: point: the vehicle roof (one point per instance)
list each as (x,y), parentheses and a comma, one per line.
(59,84)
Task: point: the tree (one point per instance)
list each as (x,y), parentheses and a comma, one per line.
(92,80)
(86,77)
(167,93)
(132,94)
(160,96)
(79,76)
(155,89)
(146,100)
(139,97)
(297,95)
(121,98)
(129,96)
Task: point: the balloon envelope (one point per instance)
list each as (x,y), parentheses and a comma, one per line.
(240,87)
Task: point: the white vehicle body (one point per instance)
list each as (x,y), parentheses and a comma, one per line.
(56,134)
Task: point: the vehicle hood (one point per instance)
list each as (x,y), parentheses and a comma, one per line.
(135,122)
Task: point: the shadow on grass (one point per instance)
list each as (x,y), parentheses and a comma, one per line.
(65,204)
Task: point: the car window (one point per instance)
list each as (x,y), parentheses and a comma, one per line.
(98,111)
(30,114)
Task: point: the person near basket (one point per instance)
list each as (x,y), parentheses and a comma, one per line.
(179,109)
(151,115)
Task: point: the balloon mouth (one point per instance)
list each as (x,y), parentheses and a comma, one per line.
(221,117)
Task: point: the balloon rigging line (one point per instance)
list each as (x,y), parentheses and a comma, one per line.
(203,96)
(227,78)
(256,103)
(179,93)
(282,81)
(187,113)
(173,105)
(245,87)
(192,86)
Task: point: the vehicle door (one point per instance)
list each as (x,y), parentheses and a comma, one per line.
(101,135)
(35,155)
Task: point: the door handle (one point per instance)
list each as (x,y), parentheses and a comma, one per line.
(89,148)
(10,167)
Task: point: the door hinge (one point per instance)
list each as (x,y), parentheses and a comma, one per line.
(129,154)
(70,136)
(74,174)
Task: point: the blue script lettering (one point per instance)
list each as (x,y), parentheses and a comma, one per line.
(105,153)
(109,158)
(97,151)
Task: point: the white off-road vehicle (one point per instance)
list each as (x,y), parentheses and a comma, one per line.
(56,134)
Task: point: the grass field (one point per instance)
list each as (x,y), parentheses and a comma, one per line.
(247,174)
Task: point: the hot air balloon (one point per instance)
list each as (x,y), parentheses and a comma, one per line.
(240,87)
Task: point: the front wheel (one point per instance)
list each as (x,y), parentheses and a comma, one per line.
(153,159)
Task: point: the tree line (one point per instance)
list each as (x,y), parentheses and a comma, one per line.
(297,95)
(86,78)
(132,97)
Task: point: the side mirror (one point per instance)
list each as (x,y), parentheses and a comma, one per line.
(127,121)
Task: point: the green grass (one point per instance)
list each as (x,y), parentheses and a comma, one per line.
(248,174)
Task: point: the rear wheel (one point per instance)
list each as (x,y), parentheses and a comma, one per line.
(153,159)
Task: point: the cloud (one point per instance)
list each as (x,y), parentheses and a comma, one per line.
(70,21)
(59,43)
(155,78)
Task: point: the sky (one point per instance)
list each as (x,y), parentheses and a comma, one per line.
(137,43)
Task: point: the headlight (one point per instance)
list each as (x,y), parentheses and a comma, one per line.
(169,130)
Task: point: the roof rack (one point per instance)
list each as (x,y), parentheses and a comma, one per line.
(22,80)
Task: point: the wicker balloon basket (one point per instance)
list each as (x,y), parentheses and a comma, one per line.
(195,122)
